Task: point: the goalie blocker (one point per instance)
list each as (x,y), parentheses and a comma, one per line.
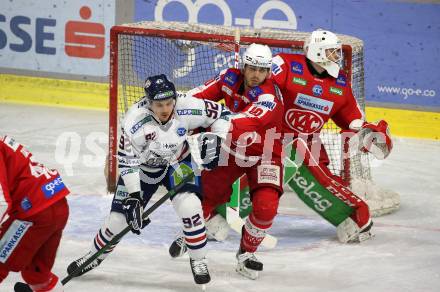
(330,199)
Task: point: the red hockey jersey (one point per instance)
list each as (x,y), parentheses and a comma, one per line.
(260,107)
(310,101)
(26,186)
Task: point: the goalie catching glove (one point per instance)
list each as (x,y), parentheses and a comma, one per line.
(374,138)
(133,208)
(209,145)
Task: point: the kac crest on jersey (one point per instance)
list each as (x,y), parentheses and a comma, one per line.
(303,121)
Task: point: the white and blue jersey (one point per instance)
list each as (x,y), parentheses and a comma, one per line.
(151,153)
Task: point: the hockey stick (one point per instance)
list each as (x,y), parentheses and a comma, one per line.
(118,236)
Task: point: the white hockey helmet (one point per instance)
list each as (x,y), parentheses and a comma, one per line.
(315,47)
(258,55)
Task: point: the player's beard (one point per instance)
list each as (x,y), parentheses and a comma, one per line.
(252,82)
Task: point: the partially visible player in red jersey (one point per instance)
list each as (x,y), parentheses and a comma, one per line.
(256,144)
(316,90)
(33,213)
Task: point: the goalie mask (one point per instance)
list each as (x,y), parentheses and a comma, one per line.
(159,88)
(324,48)
(258,55)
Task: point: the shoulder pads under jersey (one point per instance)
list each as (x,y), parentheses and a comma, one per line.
(135,118)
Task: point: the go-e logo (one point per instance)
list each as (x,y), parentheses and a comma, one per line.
(194,7)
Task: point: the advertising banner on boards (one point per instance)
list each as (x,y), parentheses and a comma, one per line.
(69,37)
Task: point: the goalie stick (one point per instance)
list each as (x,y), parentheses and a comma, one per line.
(118,236)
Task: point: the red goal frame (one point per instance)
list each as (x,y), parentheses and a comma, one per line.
(116,31)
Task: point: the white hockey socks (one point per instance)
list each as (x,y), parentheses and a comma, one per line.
(114,224)
(188,207)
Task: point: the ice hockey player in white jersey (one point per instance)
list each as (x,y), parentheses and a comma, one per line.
(153,150)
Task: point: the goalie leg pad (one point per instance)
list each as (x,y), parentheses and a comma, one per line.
(330,199)
(188,207)
(217,228)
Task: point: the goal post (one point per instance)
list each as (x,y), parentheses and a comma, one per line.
(191,54)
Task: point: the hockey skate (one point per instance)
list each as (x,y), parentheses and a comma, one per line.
(349,232)
(178,247)
(200,272)
(248,265)
(74,265)
(22,287)
(365,234)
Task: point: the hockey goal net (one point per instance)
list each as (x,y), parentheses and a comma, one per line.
(191,54)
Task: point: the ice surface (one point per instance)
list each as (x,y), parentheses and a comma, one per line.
(404,255)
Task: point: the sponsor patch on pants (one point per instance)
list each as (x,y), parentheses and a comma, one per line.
(12,238)
(268,174)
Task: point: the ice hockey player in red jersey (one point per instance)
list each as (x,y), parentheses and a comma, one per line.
(316,90)
(33,214)
(256,149)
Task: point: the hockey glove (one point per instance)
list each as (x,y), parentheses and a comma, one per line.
(209,145)
(133,209)
(377,139)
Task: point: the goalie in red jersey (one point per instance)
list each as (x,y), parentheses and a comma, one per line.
(255,147)
(33,214)
(316,90)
